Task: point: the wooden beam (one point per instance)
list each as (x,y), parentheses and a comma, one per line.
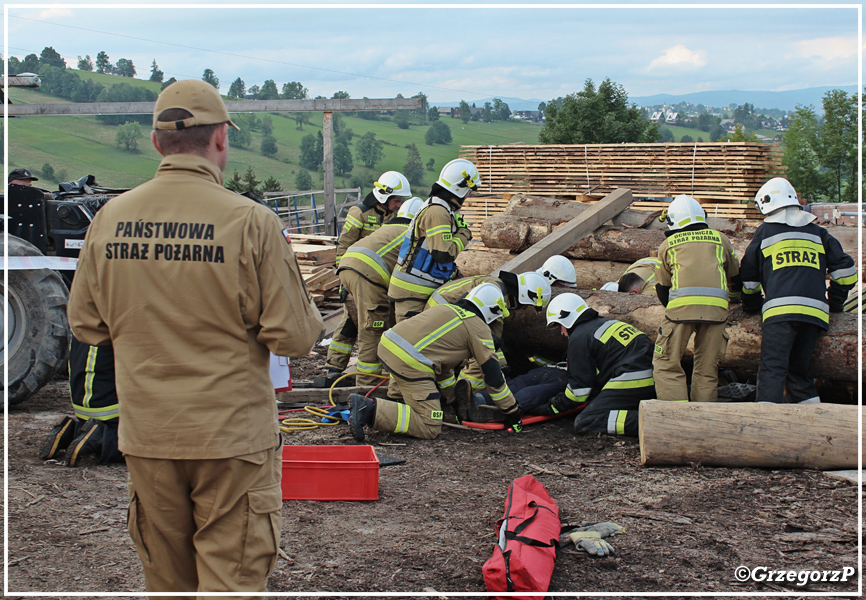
(328,172)
(745,434)
(567,235)
(233,106)
(319,396)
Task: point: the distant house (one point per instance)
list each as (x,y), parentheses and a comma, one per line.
(658,117)
(728,124)
(670,117)
(536,116)
(447,111)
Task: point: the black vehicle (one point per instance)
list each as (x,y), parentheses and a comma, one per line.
(46,233)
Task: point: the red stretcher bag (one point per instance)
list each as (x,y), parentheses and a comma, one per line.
(524,558)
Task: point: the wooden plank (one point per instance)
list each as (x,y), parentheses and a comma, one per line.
(319,396)
(567,235)
(233,106)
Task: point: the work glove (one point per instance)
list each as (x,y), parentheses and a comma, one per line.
(344,293)
(512,419)
(603,528)
(836,306)
(591,542)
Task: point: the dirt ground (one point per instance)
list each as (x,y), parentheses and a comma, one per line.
(432,528)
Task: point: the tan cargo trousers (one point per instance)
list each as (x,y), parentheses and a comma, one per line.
(711,342)
(421,414)
(206,525)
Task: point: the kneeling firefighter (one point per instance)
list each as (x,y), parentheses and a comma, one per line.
(609,366)
(436,236)
(421,353)
(94,401)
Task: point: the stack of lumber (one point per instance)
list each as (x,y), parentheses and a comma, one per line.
(317,256)
(725,173)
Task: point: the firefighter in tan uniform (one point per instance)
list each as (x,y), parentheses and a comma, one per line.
(436,236)
(526,289)
(388,193)
(425,349)
(640,277)
(365,272)
(699,273)
(193,285)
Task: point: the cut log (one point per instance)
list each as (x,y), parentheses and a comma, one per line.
(569,234)
(773,436)
(591,274)
(835,356)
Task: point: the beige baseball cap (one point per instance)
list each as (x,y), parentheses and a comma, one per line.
(199,98)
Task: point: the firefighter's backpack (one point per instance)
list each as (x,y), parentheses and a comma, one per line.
(525,555)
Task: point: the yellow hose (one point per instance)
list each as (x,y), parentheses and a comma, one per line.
(292,424)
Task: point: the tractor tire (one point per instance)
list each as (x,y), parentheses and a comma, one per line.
(37,340)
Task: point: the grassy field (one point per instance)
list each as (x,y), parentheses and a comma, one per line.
(80,145)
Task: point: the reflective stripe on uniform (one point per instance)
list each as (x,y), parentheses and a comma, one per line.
(698,291)
(751,287)
(403,414)
(370,258)
(103,413)
(406,352)
(578,395)
(476,382)
(369,368)
(799,305)
(447,383)
(438,230)
(435,335)
(846,276)
(90,369)
(500,395)
(413,284)
(635,379)
(699,301)
(789,236)
(340,347)
(616,422)
(352,221)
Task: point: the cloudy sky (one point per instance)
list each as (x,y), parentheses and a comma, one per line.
(454,51)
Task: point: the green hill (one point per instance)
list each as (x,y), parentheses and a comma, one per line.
(75,146)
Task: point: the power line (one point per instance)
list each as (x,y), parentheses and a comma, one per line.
(245,57)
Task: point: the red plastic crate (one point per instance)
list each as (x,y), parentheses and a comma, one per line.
(330,473)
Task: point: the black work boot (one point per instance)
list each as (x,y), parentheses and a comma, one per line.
(89,441)
(362,413)
(327,380)
(482,413)
(59,439)
(462,399)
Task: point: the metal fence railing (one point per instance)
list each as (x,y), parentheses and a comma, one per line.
(304,211)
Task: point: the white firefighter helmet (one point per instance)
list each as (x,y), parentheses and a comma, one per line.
(459,177)
(410,208)
(565,309)
(558,269)
(682,212)
(533,289)
(391,183)
(488,297)
(775,194)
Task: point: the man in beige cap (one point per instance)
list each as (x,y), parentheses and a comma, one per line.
(194,285)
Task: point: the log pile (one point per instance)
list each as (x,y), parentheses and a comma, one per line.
(727,174)
(605,254)
(317,257)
